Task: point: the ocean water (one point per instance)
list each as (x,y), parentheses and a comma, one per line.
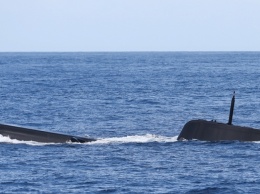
(135,104)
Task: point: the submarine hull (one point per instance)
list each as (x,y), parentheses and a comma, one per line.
(25,134)
(213,131)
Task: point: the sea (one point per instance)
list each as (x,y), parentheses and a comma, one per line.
(135,104)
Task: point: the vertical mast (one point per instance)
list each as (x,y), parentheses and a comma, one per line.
(231,110)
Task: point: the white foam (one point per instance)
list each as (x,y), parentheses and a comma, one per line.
(5,139)
(121,140)
(136,139)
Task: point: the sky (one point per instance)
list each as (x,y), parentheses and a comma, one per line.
(129,25)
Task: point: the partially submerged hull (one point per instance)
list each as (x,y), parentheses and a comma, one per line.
(25,134)
(213,131)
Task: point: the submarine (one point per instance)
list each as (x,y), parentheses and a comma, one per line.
(26,134)
(193,130)
(214,131)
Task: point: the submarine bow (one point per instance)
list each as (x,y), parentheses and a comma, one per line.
(26,134)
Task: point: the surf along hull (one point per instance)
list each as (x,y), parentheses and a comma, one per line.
(213,131)
(25,134)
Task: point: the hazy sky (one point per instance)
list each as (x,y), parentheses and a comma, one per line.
(129,25)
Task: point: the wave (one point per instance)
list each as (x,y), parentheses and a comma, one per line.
(112,140)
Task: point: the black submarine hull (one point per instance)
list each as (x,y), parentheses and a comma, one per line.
(213,131)
(25,134)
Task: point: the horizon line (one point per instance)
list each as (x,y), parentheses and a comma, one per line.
(122,51)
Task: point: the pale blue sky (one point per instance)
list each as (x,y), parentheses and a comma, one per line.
(129,25)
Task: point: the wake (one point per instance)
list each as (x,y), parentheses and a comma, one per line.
(112,140)
(136,139)
(5,139)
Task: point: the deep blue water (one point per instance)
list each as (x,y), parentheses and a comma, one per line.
(135,104)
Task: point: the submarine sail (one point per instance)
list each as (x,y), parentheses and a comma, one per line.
(215,131)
